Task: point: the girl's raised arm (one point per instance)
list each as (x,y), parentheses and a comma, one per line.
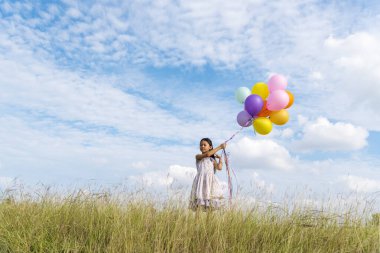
(211,152)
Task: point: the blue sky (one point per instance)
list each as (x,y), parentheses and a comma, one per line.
(111,92)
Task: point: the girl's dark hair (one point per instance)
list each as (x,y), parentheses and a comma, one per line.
(209,143)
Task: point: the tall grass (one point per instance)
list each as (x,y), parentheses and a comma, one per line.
(85,222)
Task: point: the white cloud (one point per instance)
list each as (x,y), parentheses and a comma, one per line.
(227,34)
(177,179)
(48,151)
(82,122)
(326,136)
(31,80)
(172,33)
(316,75)
(67,96)
(182,175)
(75,13)
(6,182)
(262,184)
(287,133)
(175,175)
(248,153)
(6,7)
(230,33)
(361,184)
(353,78)
(302,120)
(153,180)
(69,112)
(141,164)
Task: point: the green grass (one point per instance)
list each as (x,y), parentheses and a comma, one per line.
(100,223)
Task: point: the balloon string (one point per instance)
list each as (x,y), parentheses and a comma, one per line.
(230,187)
(249,123)
(228,169)
(234,135)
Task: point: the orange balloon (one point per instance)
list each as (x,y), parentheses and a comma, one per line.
(264,111)
(279,117)
(291,99)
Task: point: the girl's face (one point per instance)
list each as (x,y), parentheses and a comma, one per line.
(204,146)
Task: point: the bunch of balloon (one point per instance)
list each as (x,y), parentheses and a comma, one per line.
(265,104)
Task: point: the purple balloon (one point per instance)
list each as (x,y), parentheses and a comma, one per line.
(244,119)
(253,104)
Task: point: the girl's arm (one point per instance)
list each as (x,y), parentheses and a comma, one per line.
(218,165)
(211,152)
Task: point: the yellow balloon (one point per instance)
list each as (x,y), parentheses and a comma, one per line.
(262,125)
(279,117)
(261,89)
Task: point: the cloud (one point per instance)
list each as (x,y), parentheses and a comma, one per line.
(84,122)
(51,152)
(153,180)
(326,136)
(361,184)
(236,35)
(227,34)
(6,182)
(34,87)
(61,120)
(176,177)
(140,164)
(182,175)
(287,133)
(354,73)
(248,153)
(262,184)
(340,76)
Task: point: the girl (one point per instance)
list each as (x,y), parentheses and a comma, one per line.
(206,191)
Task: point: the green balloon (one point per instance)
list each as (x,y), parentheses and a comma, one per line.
(241,94)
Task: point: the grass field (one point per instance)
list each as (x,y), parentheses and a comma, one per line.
(81,222)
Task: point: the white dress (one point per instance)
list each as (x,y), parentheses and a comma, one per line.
(206,190)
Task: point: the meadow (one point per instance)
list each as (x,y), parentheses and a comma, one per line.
(84,221)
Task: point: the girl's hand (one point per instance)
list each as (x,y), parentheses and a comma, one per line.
(217,156)
(223,145)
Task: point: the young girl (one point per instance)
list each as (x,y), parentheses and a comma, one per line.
(206,192)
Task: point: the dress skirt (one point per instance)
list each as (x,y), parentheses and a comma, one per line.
(206,191)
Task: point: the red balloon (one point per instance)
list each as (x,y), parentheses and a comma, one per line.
(264,112)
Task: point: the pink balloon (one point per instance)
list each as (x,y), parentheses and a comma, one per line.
(277,100)
(277,82)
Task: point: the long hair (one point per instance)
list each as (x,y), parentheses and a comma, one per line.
(209,143)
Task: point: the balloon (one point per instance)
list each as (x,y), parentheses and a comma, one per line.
(264,111)
(279,117)
(261,89)
(291,99)
(277,100)
(262,125)
(241,94)
(277,82)
(253,104)
(244,119)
